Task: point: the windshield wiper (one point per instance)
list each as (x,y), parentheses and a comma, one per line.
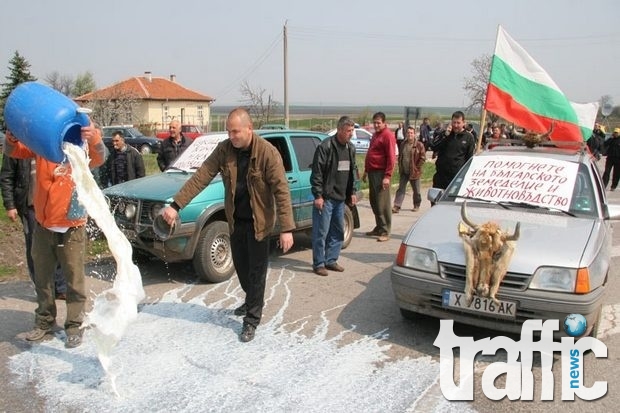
(533,206)
(174,168)
(472,198)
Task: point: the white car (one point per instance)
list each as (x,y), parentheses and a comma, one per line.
(360,139)
(552,199)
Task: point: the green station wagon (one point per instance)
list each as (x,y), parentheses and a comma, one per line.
(202,235)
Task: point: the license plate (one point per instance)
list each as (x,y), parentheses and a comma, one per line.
(453,299)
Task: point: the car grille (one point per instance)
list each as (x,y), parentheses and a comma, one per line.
(143,211)
(512,281)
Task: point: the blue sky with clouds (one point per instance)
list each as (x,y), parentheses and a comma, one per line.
(347,52)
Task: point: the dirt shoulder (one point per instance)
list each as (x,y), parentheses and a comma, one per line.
(13,264)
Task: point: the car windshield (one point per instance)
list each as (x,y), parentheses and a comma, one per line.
(196,153)
(135,132)
(520,181)
(129,132)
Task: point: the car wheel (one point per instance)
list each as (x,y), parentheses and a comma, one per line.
(213,256)
(348,227)
(145,149)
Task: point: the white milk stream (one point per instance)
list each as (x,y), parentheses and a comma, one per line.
(115,307)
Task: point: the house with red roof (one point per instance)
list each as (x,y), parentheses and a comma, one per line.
(148,100)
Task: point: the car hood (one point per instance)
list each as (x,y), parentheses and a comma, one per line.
(158,187)
(545,239)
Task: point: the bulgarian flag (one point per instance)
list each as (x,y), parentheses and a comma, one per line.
(520,91)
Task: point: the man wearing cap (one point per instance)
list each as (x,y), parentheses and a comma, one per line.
(596,141)
(612,149)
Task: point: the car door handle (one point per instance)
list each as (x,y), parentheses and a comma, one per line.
(292,180)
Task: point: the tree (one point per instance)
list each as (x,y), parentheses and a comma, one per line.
(62,83)
(19,72)
(254,99)
(115,107)
(84,83)
(476,85)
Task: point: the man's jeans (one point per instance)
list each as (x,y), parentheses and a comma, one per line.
(327,233)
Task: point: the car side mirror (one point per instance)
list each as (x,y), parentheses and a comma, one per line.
(434,194)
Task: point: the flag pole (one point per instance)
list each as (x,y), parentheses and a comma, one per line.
(483,117)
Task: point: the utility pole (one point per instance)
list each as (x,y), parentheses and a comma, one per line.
(286,114)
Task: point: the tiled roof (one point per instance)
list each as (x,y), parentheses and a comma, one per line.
(157,88)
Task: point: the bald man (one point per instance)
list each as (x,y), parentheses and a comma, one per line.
(255,189)
(172,146)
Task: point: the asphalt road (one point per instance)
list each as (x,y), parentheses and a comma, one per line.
(359,301)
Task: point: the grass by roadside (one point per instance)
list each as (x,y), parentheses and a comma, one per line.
(12,259)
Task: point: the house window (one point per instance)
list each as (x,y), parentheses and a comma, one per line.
(166,112)
(200,113)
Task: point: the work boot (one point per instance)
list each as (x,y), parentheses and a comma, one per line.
(321,271)
(37,334)
(247,333)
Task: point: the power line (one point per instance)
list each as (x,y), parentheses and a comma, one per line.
(252,68)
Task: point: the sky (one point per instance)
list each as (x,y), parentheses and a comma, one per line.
(395,52)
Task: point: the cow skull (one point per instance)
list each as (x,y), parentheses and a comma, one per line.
(488,251)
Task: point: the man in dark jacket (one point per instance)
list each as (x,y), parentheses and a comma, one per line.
(123,164)
(596,142)
(173,146)
(454,147)
(332,178)
(17,178)
(255,189)
(612,148)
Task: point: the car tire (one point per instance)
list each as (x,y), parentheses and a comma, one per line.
(213,256)
(145,150)
(348,227)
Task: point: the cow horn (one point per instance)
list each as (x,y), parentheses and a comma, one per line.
(517,135)
(548,133)
(465,219)
(515,235)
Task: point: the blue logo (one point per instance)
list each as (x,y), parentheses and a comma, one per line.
(575,325)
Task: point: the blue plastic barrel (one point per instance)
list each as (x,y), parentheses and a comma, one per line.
(43,118)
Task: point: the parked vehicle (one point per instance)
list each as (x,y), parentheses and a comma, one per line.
(360,139)
(202,235)
(133,137)
(189,131)
(553,198)
(273,126)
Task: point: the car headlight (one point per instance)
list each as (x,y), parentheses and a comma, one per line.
(155,210)
(130,211)
(417,259)
(554,279)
